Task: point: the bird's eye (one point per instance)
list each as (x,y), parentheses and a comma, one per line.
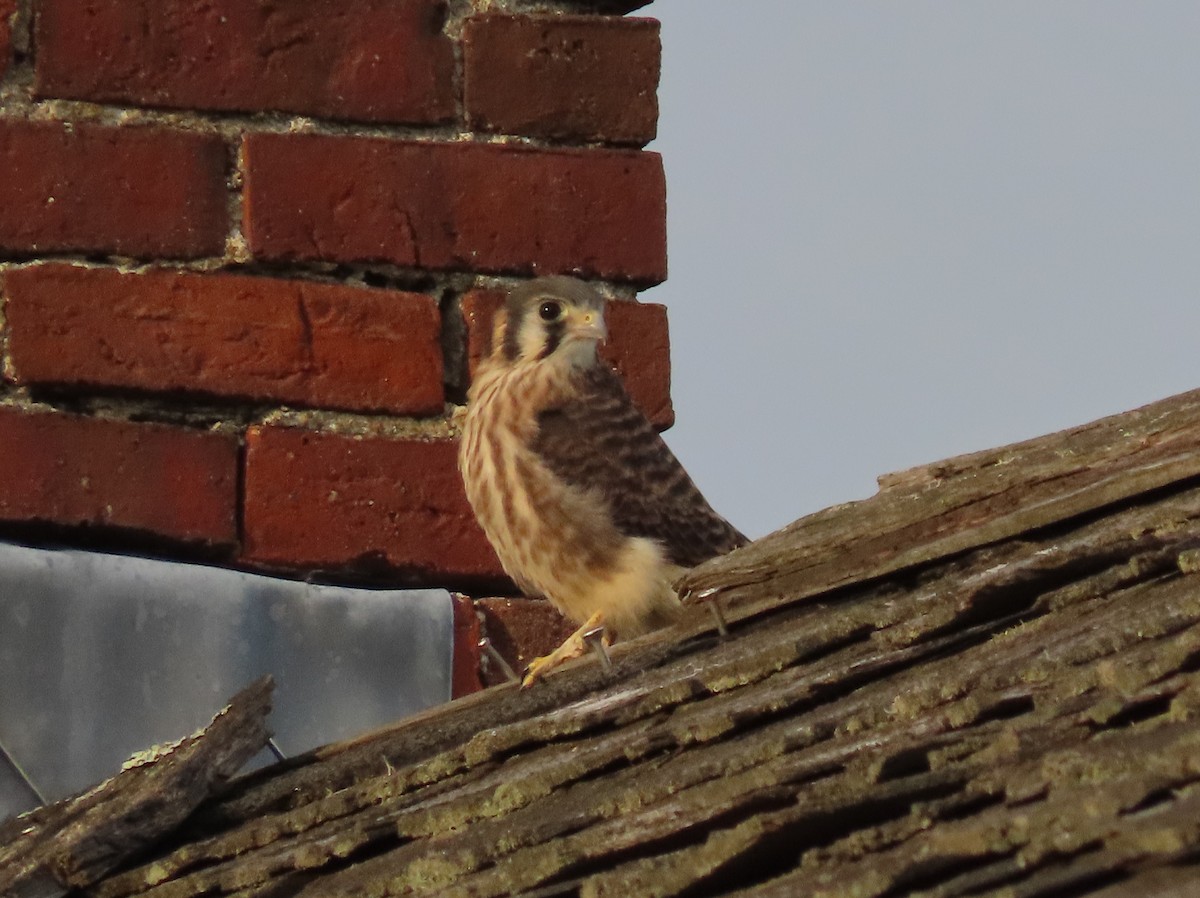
(550,311)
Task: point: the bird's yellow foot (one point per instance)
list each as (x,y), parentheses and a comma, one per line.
(574,646)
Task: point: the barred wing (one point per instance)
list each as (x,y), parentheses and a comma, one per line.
(600,441)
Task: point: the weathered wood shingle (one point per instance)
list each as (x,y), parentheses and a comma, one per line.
(983,681)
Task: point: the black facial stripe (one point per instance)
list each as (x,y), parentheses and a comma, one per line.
(554,335)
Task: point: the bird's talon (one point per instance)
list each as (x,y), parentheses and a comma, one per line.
(574,646)
(539,667)
(533,672)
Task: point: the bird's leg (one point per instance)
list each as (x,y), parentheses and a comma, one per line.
(574,646)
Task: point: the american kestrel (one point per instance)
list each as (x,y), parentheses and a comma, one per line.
(579,496)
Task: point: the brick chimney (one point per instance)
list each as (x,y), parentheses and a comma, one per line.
(249,251)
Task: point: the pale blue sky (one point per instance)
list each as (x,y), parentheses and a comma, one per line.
(900,232)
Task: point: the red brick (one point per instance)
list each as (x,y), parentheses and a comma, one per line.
(76,471)
(466,673)
(133,191)
(521,630)
(480,207)
(369,60)
(608,7)
(638,347)
(298,342)
(640,350)
(330,501)
(478,311)
(8,11)
(563,77)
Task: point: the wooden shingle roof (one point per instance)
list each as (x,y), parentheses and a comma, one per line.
(982,681)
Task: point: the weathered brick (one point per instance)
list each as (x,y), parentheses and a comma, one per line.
(72,470)
(369,60)
(297,342)
(8,11)
(480,207)
(521,630)
(137,191)
(608,7)
(376,504)
(638,347)
(563,77)
(467,669)
(479,311)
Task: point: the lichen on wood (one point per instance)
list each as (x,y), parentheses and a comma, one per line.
(76,842)
(983,681)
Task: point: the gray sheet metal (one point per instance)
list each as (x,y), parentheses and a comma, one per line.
(104,655)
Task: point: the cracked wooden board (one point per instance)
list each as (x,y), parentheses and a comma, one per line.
(938,510)
(775,748)
(74,843)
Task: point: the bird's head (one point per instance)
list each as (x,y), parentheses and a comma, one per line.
(555,317)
